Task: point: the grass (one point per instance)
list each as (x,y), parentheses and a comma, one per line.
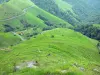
(50,17)
(64,6)
(11,9)
(96,25)
(8,39)
(66,50)
(55,50)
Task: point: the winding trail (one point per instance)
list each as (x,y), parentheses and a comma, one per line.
(14,17)
(19,36)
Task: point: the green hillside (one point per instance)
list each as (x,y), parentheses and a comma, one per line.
(13,18)
(36,37)
(56,52)
(64,5)
(76,12)
(79,13)
(59,8)
(8,39)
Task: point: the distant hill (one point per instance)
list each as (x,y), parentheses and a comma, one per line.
(82,14)
(28,17)
(3,1)
(76,12)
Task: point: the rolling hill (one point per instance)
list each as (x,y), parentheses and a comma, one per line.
(28,15)
(76,12)
(26,19)
(82,14)
(57,52)
(36,38)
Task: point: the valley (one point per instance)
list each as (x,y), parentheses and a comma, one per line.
(49,37)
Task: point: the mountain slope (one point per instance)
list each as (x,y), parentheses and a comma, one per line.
(28,20)
(80,13)
(58,51)
(3,1)
(18,17)
(59,8)
(76,12)
(8,39)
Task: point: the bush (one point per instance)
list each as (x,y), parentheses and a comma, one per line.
(8,28)
(52,36)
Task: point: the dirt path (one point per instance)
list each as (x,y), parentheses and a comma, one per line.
(14,17)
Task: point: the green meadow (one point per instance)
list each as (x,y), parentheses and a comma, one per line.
(54,50)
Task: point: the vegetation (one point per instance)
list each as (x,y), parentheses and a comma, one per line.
(76,12)
(8,39)
(92,31)
(52,7)
(72,11)
(54,53)
(31,21)
(2,1)
(36,37)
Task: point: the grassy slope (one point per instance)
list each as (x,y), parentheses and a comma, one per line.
(7,39)
(64,6)
(96,25)
(14,8)
(11,8)
(65,47)
(49,16)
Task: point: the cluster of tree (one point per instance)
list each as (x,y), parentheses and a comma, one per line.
(42,17)
(46,21)
(90,31)
(25,23)
(51,24)
(8,28)
(2,1)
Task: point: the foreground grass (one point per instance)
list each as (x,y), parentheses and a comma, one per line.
(8,39)
(56,51)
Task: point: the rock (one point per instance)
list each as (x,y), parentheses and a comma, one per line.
(63,71)
(31,64)
(96,70)
(17,68)
(82,69)
(76,64)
